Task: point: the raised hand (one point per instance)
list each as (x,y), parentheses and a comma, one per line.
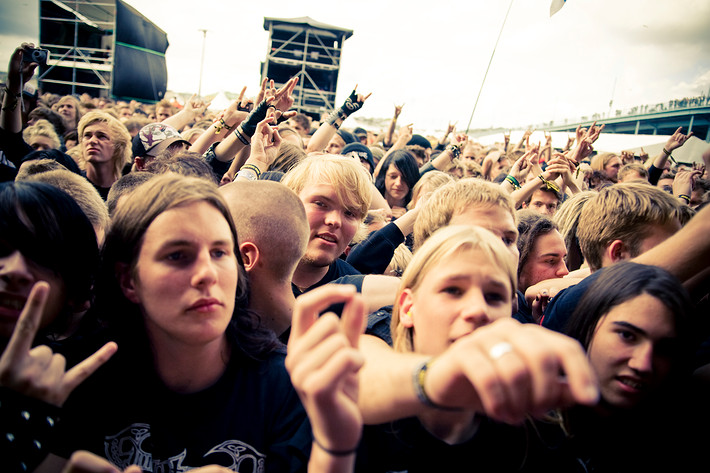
(512,370)
(17,66)
(38,372)
(283,98)
(397,110)
(196,106)
(323,361)
(677,140)
(266,142)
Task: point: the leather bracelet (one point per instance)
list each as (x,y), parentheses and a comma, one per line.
(455,150)
(241,137)
(418,379)
(668,153)
(335,453)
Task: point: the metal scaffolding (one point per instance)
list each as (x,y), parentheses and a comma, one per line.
(80,37)
(311,50)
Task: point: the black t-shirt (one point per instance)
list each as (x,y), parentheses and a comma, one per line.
(406,446)
(250,420)
(562,306)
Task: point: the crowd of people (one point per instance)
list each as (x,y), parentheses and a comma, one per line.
(258,290)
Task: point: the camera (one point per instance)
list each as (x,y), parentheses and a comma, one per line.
(40,56)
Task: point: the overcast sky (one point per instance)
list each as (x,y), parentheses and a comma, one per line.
(432,55)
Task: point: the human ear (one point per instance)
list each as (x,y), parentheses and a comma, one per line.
(617,251)
(406,303)
(140,163)
(125,280)
(250,255)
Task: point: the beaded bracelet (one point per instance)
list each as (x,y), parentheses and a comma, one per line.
(418,379)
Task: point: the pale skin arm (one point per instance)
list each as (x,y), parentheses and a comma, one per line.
(676,140)
(11,113)
(686,253)
(379,202)
(193,108)
(379,290)
(466,376)
(231,116)
(323,361)
(86,462)
(387,140)
(326,131)
(444,159)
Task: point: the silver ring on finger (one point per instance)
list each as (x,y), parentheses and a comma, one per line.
(499,350)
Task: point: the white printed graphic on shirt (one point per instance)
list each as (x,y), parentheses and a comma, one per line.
(126,448)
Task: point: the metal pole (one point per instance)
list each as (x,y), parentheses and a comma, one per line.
(202,62)
(489,66)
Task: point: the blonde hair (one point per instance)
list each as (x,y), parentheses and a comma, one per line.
(351,181)
(599,162)
(288,158)
(42,128)
(400,259)
(455,198)
(119,135)
(442,244)
(625,212)
(428,183)
(83,193)
(77,108)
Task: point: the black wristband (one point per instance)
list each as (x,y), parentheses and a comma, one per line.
(335,453)
(27,429)
(257,115)
(351,105)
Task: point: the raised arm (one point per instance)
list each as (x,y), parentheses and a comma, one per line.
(387,141)
(18,73)
(35,379)
(193,109)
(325,132)
(676,140)
(323,361)
(470,375)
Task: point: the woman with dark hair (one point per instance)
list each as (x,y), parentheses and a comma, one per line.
(396,179)
(634,322)
(200,381)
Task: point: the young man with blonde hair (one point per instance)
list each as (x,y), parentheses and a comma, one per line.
(336,193)
(105,148)
(621,222)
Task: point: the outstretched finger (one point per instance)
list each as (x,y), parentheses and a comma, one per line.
(353,319)
(311,304)
(86,368)
(28,323)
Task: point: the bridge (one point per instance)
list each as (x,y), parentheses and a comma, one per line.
(693,114)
